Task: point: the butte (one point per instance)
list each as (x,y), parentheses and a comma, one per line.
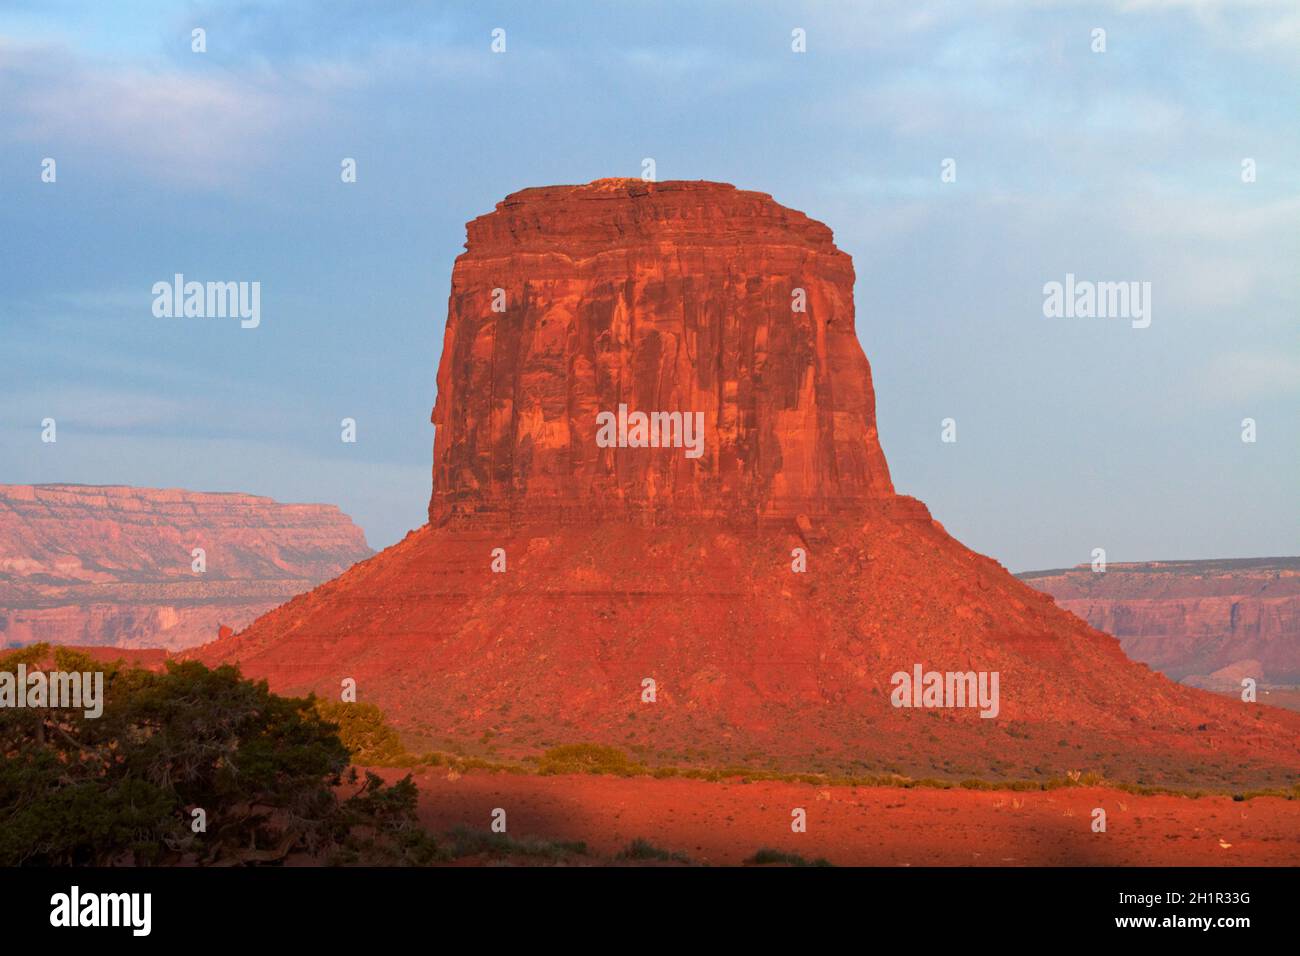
(625,565)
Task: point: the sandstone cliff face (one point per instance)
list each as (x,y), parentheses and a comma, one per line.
(113,565)
(557,577)
(663,297)
(1189,619)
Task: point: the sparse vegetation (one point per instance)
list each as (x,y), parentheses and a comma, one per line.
(464,842)
(641,849)
(589,758)
(768,856)
(603,759)
(272,776)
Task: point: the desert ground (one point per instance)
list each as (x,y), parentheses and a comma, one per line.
(726,823)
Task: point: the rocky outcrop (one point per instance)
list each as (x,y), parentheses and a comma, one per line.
(681,298)
(115,565)
(748,606)
(1190,619)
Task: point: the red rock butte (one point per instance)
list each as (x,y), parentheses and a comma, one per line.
(666,297)
(632,564)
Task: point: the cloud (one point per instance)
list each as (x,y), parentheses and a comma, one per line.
(190,126)
(1265,26)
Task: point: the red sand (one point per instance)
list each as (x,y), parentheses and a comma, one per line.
(724,823)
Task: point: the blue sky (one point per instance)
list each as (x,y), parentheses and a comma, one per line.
(1072,433)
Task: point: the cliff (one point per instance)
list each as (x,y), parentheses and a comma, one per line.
(677,298)
(114,565)
(1189,619)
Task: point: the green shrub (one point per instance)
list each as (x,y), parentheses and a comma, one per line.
(365,733)
(588,758)
(767,856)
(465,842)
(641,849)
(121,788)
(31,655)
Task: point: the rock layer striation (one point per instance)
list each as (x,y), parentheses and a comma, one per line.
(1190,619)
(678,297)
(115,565)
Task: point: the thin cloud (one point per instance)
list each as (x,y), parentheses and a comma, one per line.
(184,126)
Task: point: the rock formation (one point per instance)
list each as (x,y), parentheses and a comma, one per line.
(675,297)
(113,565)
(1189,619)
(747,606)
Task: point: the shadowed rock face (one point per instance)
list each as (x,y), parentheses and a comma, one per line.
(531,611)
(662,297)
(84,564)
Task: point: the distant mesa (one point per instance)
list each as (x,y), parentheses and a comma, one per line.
(115,565)
(1197,621)
(619,564)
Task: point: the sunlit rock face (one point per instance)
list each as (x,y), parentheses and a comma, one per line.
(693,298)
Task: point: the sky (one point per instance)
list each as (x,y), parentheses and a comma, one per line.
(1072,433)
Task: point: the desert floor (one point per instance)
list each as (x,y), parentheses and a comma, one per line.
(725,823)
